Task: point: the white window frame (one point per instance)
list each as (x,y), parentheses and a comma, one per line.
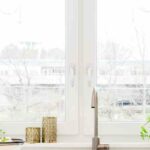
(70,125)
(90,48)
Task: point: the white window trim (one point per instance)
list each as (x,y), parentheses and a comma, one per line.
(70,125)
(90,48)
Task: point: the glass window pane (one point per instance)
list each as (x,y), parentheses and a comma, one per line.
(120,104)
(32,59)
(123,56)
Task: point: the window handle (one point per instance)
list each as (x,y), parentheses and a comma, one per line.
(90,75)
(72,75)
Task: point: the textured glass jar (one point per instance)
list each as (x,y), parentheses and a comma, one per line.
(33,135)
(49,130)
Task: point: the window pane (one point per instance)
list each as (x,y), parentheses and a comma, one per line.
(120,104)
(32,59)
(123,56)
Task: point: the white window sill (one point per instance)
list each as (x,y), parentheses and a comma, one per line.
(86,146)
(77,146)
(58,145)
(130,145)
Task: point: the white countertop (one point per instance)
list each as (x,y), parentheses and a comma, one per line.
(59,145)
(129,145)
(88,145)
(78,146)
(10,147)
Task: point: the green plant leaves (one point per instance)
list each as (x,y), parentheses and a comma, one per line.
(144,131)
(148,119)
(2,136)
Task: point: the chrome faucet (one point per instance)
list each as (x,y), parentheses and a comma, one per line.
(96,141)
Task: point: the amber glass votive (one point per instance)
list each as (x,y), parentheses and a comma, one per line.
(32,135)
(49,130)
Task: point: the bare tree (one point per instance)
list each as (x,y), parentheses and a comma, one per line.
(22,94)
(114,57)
(140,37)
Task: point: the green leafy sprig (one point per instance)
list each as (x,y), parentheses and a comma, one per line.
(145,132)
(3,136)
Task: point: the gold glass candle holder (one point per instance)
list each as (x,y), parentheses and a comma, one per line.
(32,135)
(49,130)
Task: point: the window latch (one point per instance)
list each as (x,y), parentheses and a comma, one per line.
(72,75)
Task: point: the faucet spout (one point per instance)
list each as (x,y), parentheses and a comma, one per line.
(96,141)
(94,105)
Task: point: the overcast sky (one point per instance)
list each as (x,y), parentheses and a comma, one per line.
(33,20)
(115,23)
